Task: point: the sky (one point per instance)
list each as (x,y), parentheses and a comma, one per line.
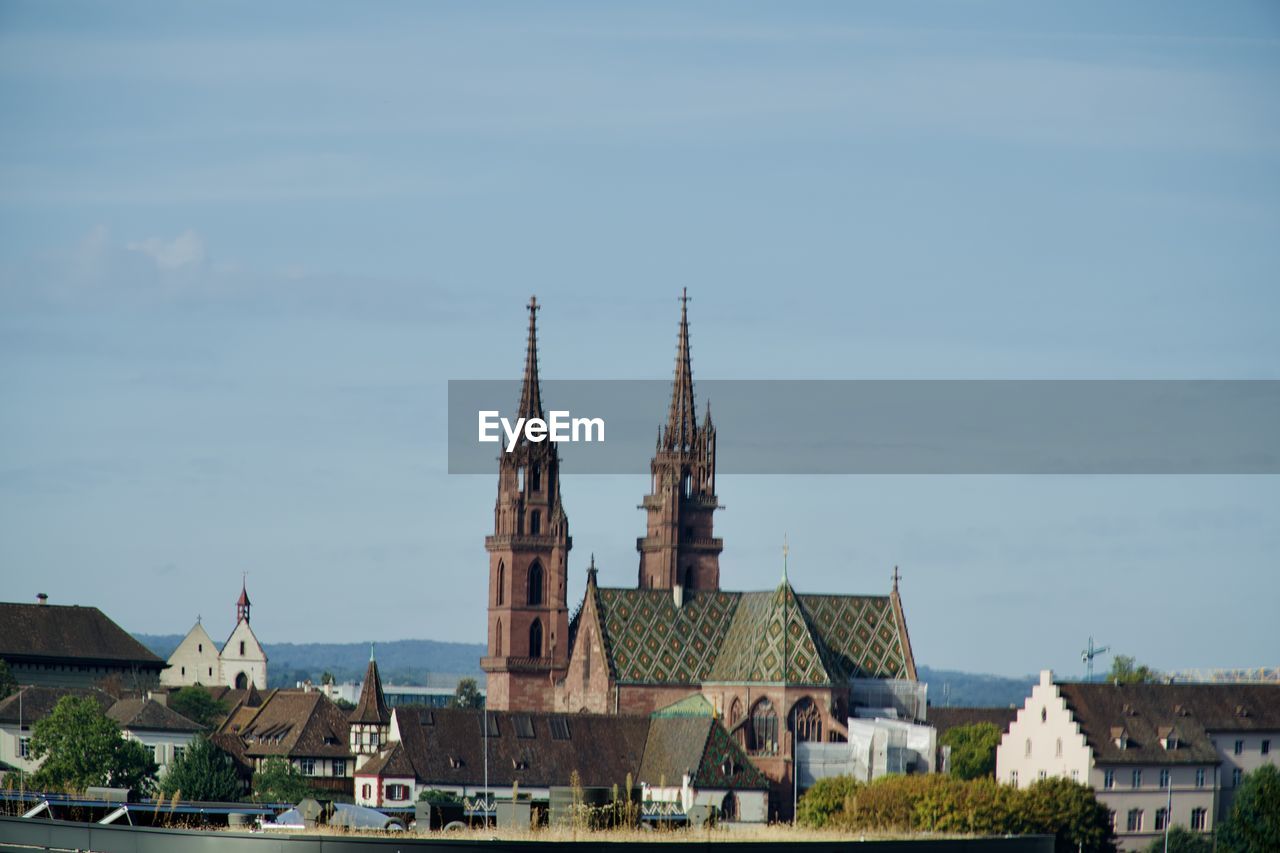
(244,246)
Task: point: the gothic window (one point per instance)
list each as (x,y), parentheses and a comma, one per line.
(808,721)
(502,583)
(687,582)
(535,478)
(534,595)
(535,522)
(586,664)
(535,639)
(497,640)
(762,734)
(735,713)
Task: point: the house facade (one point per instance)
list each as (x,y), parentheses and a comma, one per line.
(304,727)
(161,730)
(682,756)
(240,663)
(1155,754)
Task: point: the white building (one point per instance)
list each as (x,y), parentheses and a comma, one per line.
(239,664)
(164,732)
(1142,747)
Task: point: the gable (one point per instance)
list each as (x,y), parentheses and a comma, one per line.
(242,633)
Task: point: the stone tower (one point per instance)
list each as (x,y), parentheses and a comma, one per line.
(528,564)
(679,548)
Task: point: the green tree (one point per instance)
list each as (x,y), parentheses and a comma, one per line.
(1127,670)
(1254,822)
(973,750)
(827,798)
(1182,840)
(326,677)
(278,781)
(467,695)
(81,746)
(435,795)
(1069,811)
(196,704)
(8,684)
(205,773)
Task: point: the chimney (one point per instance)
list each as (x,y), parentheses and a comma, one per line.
(42,598)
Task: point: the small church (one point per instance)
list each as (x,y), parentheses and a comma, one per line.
(778,666)
(240,663)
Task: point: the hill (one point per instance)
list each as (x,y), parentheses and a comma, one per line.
(399,662)
(949,687)
(432,661)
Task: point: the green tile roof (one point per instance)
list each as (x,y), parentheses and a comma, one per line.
(738,637)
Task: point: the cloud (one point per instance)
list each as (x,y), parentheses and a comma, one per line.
(187,249)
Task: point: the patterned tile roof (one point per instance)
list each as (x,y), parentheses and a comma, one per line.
(651,641)
(742,636)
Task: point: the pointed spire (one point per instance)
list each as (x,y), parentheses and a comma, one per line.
(682,422)
(786,552)
(530,392)
(896,578)
(372,707)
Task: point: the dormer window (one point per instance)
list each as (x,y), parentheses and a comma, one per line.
(1120,737)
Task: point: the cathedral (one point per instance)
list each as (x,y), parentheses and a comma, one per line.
(778,666)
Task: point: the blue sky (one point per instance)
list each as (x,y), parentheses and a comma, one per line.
(243,249)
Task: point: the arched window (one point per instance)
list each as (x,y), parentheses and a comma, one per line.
(762,732)
(535,478)
(729,807)
(497,640)
(735,712)
(502,583)
(535,639)
(535,584)
(808,721)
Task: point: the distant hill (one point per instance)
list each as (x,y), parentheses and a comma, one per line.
(399,662)
(430,661)
(949,687)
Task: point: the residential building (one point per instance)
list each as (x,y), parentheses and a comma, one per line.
(164,732)
(72,646)
(680,755)
(1145,747)
(304,727)
(240,663)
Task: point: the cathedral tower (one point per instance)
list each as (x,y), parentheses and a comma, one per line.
(679,548)
(528,564)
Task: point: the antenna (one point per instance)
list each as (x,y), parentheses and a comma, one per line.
(1088,655)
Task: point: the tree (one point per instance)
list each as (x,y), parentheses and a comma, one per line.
(973,750)
(1127,670)
(1071,812)
(327,678)
(278,781)
(8,684)
(1254,822)
(196,704)
(467,695)
(81,747)
(827,798)
(203,772)
(1182,840)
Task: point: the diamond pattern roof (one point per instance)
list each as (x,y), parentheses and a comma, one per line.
(739,637)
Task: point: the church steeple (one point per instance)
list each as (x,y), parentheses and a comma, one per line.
(530,389)
(528,563)
(679,548)
(371,718)
(242,604)
(682,423)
